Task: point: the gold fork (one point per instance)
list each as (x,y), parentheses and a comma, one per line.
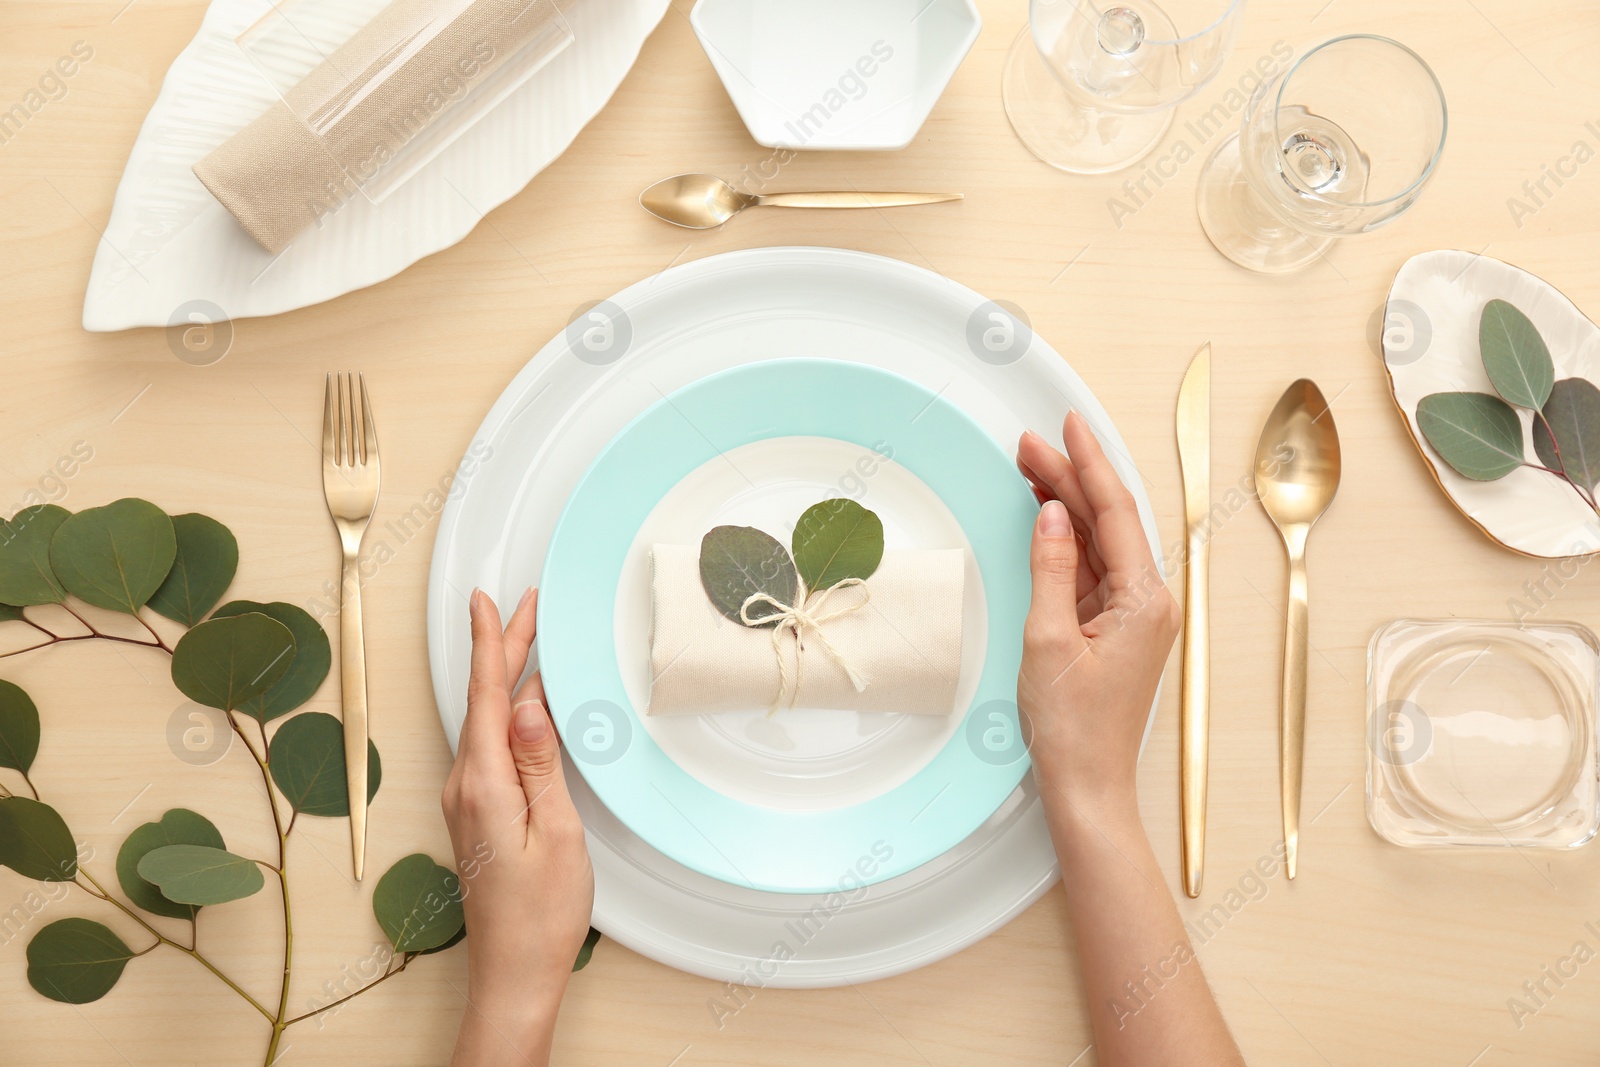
(350,482)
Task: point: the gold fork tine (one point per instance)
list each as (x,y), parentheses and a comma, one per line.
(369,436)
(347,454)
(328,454)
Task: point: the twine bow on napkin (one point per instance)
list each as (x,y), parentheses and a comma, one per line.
(796,619)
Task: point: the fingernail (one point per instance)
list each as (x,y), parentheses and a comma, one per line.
(1031,434)
(530,722)
(475,601)
(1053,520)
(526,593)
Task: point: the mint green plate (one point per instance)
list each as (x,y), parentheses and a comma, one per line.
(745,844)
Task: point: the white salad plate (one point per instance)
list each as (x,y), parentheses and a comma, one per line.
(171,253)
(1430,345)
(580,391)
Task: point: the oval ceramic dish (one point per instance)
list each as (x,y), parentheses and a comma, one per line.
(1430,345)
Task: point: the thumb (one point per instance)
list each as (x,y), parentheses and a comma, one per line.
(535,751)
(1053,614)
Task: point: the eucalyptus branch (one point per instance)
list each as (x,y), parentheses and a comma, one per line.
(281,870)
(100,892)
(152,630)
(273,654)
(33,624)
(384,977)
(93,634)
(1555,449)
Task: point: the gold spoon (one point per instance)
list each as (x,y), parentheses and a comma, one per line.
(705,201)
(1296,475)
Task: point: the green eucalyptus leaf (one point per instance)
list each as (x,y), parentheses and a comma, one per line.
(313,657)
(1515,355)
(418,904)
(208,557)
(19,728)
(76,961)
(115,557)
(222,663)
(1572,415)
(307,761)
(836,540)
(737,562)
(35,841)
(586,953)
(200,874)
(460,936)
(11,614)
(1477,434)
(26,577)
(180,826)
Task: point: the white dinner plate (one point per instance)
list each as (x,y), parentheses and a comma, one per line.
(587,384)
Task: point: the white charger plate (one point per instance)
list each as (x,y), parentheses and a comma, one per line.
(170,253)
(585,386)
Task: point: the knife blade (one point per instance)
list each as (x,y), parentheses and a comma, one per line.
(1194,713)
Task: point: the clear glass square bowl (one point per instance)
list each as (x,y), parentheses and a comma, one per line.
(1482,732)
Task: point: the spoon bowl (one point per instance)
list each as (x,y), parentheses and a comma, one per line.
(1297,459)
(696,201)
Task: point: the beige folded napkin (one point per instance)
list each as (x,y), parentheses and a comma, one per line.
(899,633)
(366,101)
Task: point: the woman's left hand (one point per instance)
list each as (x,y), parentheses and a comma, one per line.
(519,848)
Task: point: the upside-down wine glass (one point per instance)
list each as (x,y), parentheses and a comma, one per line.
(1091,87)
(1340,144)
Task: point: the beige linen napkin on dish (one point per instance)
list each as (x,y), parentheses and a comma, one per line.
(367,100)
(905,642)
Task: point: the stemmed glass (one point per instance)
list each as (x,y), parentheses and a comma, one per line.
(1091,88)
(1341,143)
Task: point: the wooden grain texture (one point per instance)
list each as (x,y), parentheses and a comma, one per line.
(1376,956)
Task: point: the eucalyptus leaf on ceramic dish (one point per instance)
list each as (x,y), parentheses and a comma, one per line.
(1480,435)
(1436,337)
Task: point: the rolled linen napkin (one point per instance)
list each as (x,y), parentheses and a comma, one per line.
(365,102)
(899,633)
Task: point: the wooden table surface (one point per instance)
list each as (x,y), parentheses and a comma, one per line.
(1376,955)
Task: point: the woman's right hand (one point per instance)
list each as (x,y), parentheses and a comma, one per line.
(1099,628)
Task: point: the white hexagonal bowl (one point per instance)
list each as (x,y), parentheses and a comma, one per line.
(835,74)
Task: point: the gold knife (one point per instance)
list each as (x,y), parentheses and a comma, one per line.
(1194,721)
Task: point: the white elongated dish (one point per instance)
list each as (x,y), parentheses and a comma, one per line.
(1430,345)
(170,250)
(586,385)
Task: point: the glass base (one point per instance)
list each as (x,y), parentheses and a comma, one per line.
(1063,132)
(1242,227)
